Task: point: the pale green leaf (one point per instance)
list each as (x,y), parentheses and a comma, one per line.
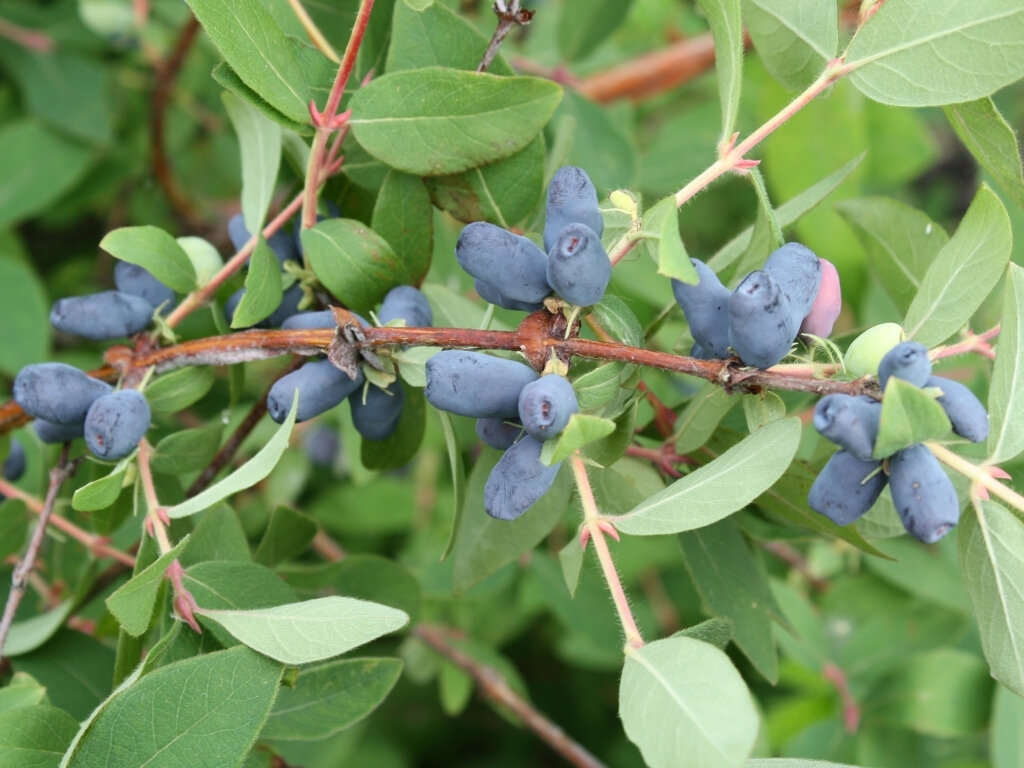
(22,690)
(1006,394)
(585,24)
(29,634)
(795,38)
(132,603)
(259,140)
(171,392)
(27,327)
(909,415)
(727,31)
(35,736)
(701,416)
(570,557)
(581,429)
(154,249)
(992,142)
(458,473)
(263,288)
(206,261)
(100,494)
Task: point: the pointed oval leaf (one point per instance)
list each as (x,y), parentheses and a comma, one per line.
(259,140)
(727,31)
(795,38)
(263,288)
(909,415)
(132,603)
(403,216)
(992,142)
(1006,394)
(154,249)
(353,262)
(35,736)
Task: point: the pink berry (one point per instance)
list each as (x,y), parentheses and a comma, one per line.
(827,304)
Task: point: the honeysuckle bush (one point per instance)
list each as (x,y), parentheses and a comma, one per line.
(238,592)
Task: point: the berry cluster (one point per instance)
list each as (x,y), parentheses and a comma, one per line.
(322,386)
(511,271)
(507,399)
(66,404)
(796,292)
(853,478)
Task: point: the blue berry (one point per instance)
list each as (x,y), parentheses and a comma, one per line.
(965,411)
(511,262)
(572,199)
(846,488)
(14,464)
(923,494)
(849,422)
(321,386)
(138,281)
(49,432)
(57,392)
(407,303)
(797,270)
(309,321)
(498,433)
(376,411)
(545,406)
(490,293)
(578,266)
(706,306)
(762,323)
(476,385)
(101,316)
(518,480)
(322,446)
(116,423)
(280,242)
(908,361)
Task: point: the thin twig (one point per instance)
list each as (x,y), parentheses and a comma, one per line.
(32,39)
(794,559)
(493,686)
(315,35)
(509,15)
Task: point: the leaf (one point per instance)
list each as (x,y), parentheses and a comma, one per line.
(211,705)
(762,409)
(229,80)
(403,445)
(300,633)
(585,24)
(28,634)
(795,38)
(22,690)
(132,603)
(664,242)
(618,320)
(1006,741)
(733,585)
(912,56)
(99,494)
(177,390)
(580,430)
(263,288)
(154,249)
(719,488)
(963,273)
(789,762)
(901,242)
(247,475)
(288,534)
(427,34)
(217,536)
(13,526)
(35,736)
(992,142)
(990,545)
(680,696)
(727,31)
(458,471)
(599,143)
(716,632)
(701,416)
(570,557)
(187,451)
(39,166)
(328,698)
(402,215)
(909,416)
(259,140)
(436,121)
(1006,393)
(353,262)
(236,585)
(26,315)
(258,51)
(76,670)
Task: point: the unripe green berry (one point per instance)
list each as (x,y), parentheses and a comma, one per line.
(868,349)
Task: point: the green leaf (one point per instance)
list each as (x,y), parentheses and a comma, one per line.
(328,698)
(99,494)
(584,25)
(1006,740)
(352,261)
(715,631)
(680,696)
(1006,393)
(733,584)
(701,416)
(990,545)
(664,243)
(211,705)
(950,52)
(618,320)
(901,243)
(229,79)
(401,448)
(217,536)
(236,585)
(402,215)
(177,390)
(458,471)
(13,526)
(39,168)
(22,690)
(580,430)
(35,737)
(570,557)
(76,670)
(425,33)
(132,603)
(263,288)
(727,31)
(992,142)
(909,415)
(206,261)
(435,121)
(762,409)
(258,51)
(719,488)
(288,534)
(963,273)
(247,475)
(600,143)
(299,633)
(795,38)
(26,315)
(154,249)
(28,634)
(187,451)
(259,140)
(788,762)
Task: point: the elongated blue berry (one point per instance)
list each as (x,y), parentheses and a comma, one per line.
(518,480)
(14,464)
(52,433)
(138,281)
(510,262)
(498,433)
(908,361)
(923,494)
(578,266)
(408,303)
(321,386)
(762,323)
(572,199)
(965,411)
(57,392)
(476,385)
(101,316)
(376,411)
(850,422)
(545,406)
(797,270)
(706,306)
(116,423)
(846,488)
(490,293)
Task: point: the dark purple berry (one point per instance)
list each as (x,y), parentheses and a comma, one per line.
(965,411)
(498,433)
(321,386)
(762,323)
